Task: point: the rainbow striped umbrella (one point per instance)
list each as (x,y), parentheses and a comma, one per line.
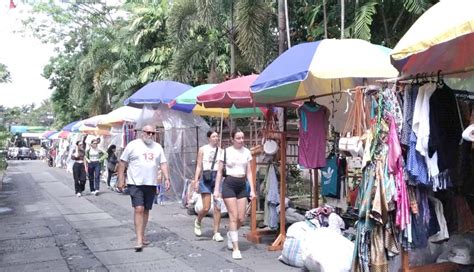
(321,67)
(441,39)
(186,102)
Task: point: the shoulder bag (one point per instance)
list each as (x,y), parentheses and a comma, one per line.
(207,174)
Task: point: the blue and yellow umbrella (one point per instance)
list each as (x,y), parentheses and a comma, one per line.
(321,67)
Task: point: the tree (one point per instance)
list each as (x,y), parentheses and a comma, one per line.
(206,36)
(4,74)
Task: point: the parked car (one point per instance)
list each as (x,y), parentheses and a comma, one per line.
(24,153)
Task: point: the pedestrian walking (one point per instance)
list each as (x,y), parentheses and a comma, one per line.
(234,167)
(143,159)
(204,182)
(94,158)
(112,162)
(79,168)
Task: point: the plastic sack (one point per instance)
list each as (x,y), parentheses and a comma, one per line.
(292,248)
(197,200)
(326,250)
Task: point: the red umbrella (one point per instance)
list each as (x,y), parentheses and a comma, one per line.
(228,93)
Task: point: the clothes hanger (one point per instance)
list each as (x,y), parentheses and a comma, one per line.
(312,102)
(440,81)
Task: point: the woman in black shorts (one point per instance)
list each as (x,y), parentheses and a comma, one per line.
(236,160)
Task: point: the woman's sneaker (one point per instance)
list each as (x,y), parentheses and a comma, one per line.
(197,228)
(217,237)
(236,255)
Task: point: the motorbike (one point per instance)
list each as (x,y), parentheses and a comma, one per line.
(50,161)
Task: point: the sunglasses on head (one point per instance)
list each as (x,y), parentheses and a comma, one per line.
(149,132)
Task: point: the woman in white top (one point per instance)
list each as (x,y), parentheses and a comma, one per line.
(94,158)
(207,164)
(236,162)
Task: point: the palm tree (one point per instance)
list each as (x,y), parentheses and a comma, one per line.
(205,35)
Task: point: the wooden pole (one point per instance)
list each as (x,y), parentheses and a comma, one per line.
(315,175)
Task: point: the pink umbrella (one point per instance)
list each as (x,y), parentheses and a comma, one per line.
(234,92)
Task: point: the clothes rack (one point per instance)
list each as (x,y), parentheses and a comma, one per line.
(418,75)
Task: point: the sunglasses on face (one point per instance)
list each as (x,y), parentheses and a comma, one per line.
(151,133)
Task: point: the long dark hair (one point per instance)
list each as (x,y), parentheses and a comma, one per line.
(210,132)
(237,130)
(110,150)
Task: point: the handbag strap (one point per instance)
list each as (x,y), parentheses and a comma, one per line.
(214,160)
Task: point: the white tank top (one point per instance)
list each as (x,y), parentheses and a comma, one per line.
(208,156)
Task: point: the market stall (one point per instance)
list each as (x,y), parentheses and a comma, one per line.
(310,71)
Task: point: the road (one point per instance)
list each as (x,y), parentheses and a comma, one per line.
(45,227)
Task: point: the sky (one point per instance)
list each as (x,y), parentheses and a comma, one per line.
(25,58)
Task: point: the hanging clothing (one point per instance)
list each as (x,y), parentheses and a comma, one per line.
(313,126)
(445,127)
(421,127)
(392,107)
(410,94)
(272,198)
(330,178)
(416,163)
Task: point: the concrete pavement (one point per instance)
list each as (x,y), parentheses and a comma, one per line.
(45,227)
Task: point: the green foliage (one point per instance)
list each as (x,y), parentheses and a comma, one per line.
(253,31)
(4,73)
(106,53)
(363,20)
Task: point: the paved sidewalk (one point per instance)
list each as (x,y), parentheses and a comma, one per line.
(45,227)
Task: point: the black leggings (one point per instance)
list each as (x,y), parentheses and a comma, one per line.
(109,176)
(79,174)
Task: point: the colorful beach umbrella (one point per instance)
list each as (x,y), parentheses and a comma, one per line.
(234,92)
(155,93)
(321,67)
(93,130)
(48,133)
(69,126)
(94,120)
(63,134)
(186,102)
(441,39)
(120,115)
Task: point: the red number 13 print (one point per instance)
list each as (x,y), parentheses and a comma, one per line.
(148,156)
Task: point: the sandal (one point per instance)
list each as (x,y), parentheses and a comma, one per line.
(146,243)
(139,248)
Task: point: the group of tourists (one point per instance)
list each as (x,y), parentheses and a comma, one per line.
(88,163)
(221,175)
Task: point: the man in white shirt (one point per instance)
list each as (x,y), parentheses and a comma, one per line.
(143,159)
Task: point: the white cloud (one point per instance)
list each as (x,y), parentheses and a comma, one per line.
(25,58)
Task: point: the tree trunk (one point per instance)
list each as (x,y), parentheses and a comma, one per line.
(342,18)
(212,76)
(281,27)
(325,20)
(232,41)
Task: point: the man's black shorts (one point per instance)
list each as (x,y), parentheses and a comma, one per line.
(142,195)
